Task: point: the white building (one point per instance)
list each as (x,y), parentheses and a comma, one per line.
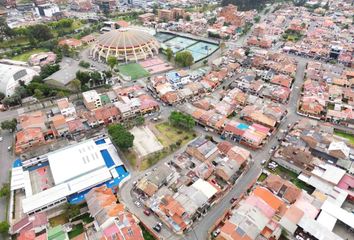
(47,10)
(11,75)
(92,99)
(65,174)
(66,108)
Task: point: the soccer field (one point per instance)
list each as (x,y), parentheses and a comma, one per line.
(134,70)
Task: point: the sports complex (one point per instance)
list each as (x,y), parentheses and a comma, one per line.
(66,175)
(199,48)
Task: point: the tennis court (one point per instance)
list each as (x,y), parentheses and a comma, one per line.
(179,43)
(201,50)
(134,70)
(163,37)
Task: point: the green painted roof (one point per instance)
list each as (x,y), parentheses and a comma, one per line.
(105,99)
(57,233)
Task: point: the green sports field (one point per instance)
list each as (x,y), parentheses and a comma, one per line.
(134,70)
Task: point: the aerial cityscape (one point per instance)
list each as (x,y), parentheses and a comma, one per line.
(177,120)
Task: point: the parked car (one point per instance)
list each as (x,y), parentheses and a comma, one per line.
(147,212)
(138,204)
(216,232)
(233,200)
(1,139)
(157,227)
(263,161)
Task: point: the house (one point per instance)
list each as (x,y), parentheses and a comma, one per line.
(146,17)
(88,39)
(253,218)
(32,120)
(112,220)
(70,42)
(36,223)
(106,114)
(287,191)
(28,138)
(60,125)
(67,109)
(92,99)
(202,149)
(75,126)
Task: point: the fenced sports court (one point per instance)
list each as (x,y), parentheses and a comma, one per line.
(200,49)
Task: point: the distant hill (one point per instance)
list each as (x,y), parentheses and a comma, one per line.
(245,5)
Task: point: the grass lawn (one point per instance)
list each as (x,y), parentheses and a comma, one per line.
(134,70)
(345,135)
(168,135)
(130,155)
(262,177)
(14,42)
(76,231)
(25,56)
(146,234)
(58,220)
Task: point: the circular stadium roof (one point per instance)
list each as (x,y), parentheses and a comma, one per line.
(126,45)
(125,38)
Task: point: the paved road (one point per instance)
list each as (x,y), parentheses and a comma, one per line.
(7,115)
(6,159)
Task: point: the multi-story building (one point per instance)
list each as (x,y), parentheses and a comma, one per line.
(92,99)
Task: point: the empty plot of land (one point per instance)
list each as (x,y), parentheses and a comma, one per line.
(145,141)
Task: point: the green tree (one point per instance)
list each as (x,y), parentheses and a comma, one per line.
(84,64)
(5,190)
(5,31)
(83,76)
(38,94)
(184,58)
(39,33)
(4,227)
(140,120)
(9,125)
(96,77)
(112,61)
(188,18)
(76,85)
(65,50)
(61,94)
(181,120)
(257,19)
(169,54)
(71,210)
(21,91)
(48,70)
(2,96)
(121,136)
(205,61)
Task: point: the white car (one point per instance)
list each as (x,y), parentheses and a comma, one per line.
(216,232)
(138,204)
(1,139)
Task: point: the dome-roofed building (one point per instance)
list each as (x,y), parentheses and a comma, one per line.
(12,75)
(125,44)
